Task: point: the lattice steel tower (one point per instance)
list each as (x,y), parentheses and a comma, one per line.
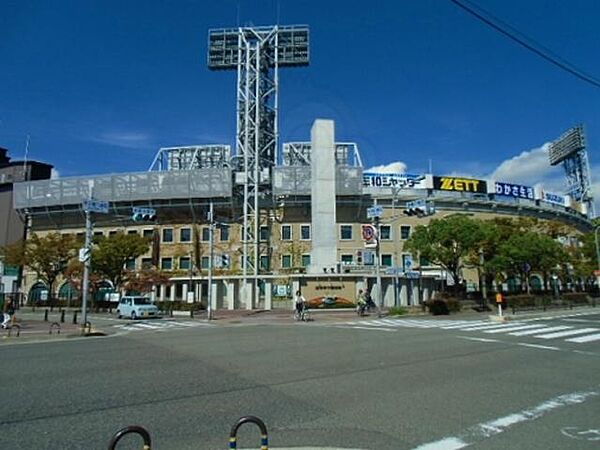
(256,53)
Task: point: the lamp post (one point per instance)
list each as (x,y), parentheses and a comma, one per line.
(597,256)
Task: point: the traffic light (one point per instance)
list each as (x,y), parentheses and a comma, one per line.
(225,260)
(143,214)
(419,208)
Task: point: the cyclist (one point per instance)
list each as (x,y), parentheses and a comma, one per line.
(361,303)
(300,303)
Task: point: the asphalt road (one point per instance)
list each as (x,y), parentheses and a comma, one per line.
(315,385)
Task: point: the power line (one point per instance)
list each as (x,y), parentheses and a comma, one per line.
(525,41)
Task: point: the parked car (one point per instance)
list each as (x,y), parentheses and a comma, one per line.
(136,307)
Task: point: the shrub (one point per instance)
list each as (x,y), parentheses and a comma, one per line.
(438,308)
(397,311)
(453,304)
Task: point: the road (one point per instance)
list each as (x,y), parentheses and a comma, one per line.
(398,384)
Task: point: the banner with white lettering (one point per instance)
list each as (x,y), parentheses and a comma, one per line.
(394,180)
(514,190)
(555,199)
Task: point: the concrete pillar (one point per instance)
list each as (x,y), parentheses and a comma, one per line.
(403,292)
(268,295)
(246,293)
(231,288)
(198,292)
(173,292)
(184,292)
(425,290)
(162,293)
(416,299)
(322,172)
(215,292)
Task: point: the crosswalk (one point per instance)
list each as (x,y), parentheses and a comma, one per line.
(160,325)
(528,328)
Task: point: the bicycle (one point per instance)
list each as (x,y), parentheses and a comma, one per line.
(303,315)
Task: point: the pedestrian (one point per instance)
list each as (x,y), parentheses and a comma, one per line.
(9,310)
(299,302)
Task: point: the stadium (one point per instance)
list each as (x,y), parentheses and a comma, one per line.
(244,228)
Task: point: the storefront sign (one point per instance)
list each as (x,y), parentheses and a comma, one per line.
(555,199)
(394,180)
(514,190)
(459,184)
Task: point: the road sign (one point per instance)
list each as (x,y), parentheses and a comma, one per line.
(597,273)
(408,262)
(143,214)
(98,206)
(412,274)
(84,254)
(374,212)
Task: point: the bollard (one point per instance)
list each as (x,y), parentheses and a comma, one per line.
(137,429)
(54,326)
(46,316)
(62,316)
(87,325)
(171,311)
(191,313)
(74,317)
(264,443)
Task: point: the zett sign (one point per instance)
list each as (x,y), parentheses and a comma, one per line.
(459,184)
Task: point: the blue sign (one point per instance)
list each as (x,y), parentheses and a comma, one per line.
(98,206)
(553,198)
(514,190)
(394,180)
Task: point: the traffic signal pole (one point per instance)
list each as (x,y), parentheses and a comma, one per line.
(86,267)
(211,227)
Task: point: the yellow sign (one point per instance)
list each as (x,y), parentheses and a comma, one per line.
(459,184)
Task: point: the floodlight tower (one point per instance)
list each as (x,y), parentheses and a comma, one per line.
(570,149)
(256,53)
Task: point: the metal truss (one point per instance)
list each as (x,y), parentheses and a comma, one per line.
(192,157)
(579,185)
(299,154)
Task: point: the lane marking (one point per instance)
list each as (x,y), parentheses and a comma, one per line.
(366,328)
(479,339)
(547,330)
(485,430)
(565,333)
(545,347)
(514,328)
(487,327)
(581,340)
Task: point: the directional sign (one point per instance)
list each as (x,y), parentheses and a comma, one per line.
(374,212)
(412,274)
(98,206)
(408,262)
(84,254)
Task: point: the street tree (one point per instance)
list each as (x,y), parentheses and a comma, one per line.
(110,256)
(144,280)
(448,242)
(47,256)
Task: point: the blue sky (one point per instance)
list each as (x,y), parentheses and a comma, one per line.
(101,85)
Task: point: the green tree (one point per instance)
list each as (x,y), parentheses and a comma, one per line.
(448,242)
(47,256)
(111,254)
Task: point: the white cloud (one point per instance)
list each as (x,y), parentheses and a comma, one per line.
(127,139)
(530,167)
(394,167)
(54,174)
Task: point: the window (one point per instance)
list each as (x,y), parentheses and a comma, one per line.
(286,232)
(386,260)
(184,262)
(385,232)
(347,259)
(404,232)
(264,233)
(148,233)
(345,232)
(205,234)
(424,261)
(81,236)
(185,235)
(286,261)
(224,233)
(167,235)
(265,262)
(98,233)
(130,264)
(132,232)
(306,260)
(146,263)
(204,262)
(110,233)
(166,263)
(305,232)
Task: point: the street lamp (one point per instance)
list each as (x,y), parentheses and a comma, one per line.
(597,256)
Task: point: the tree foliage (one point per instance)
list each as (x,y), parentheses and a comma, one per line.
(110,255)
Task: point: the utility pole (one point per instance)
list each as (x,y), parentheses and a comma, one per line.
(374,213)
(87,264)
(597,256)
(211,227)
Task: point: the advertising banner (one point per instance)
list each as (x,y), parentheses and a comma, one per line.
(459,184)
(514,190)
(394,180)
(556,199)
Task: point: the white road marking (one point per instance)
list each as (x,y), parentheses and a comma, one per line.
(486,327)
(582,339)
(544,347)
(479,339)
(560,334)
(368,328)
(486,430)
(514,328)
(528,332)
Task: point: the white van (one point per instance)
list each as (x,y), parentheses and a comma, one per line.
(136,307)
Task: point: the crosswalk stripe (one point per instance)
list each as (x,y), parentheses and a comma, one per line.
(514,328)
(463,323)
(565,333)
(528,332)
(583,339)
(487,327)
